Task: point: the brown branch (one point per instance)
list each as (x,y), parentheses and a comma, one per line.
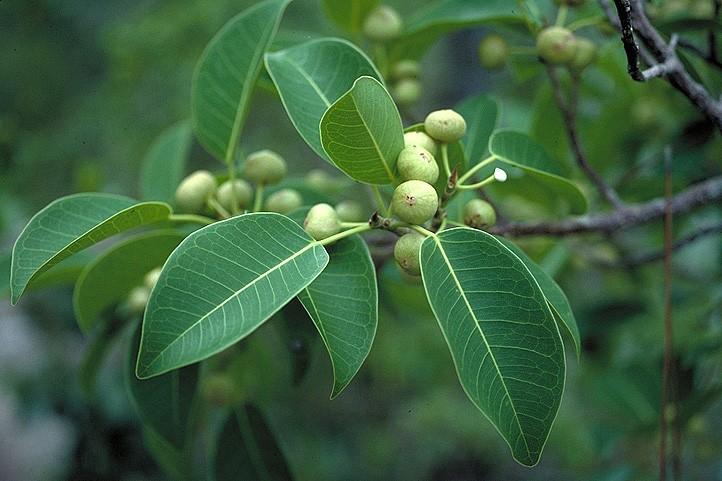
(662,58)
(628,216)
(569,116)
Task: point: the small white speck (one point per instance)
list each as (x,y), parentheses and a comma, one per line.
(500,175)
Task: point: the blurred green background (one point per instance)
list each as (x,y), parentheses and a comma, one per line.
(86,86)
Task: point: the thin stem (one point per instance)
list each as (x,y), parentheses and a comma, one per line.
(258,199)
(234,195)
(445,159)
(443,224)
(380,202)
(347,225)
(585,22)
(421,230)
(216,206)
(476,169)
(668,332)
(342,235)
(561,15)
(478,185)
(191,219)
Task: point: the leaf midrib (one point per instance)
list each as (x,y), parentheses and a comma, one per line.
(483,337)
(311,245)
(373,140)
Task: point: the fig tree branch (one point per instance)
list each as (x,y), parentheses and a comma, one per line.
(569,116)
(659,55)
(630,215)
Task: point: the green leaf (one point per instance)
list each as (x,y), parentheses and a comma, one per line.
(433,20)
(312,76)
(350,14)
(518,150)
(220,284)
(343,304)
(362,133)
(480,113)
(64,273)
(505,344)
(554,294)
(247,449)
(171,459)
(163,403)
(70,224)
(226,75)
(108,280)
(163,166)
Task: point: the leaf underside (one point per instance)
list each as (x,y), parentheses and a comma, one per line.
(506,346)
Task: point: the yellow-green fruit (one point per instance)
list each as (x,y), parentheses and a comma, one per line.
(138,299)
(193,192)
(493,52)
(407,91)
(417,163)
(479,213)
(406,252)
(220,390)
(264,167)
(320,181)
(151,278)
(445,125)
(284,201)
(243,194)
(405,69)
(556,45)
(322,222)
(414,201)
(383,24)
(350,211)
(584,56)
(421,139)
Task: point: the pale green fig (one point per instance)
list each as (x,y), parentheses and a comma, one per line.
(414,201)
(417,163)
(407,252)
(383,24)
(350,211)
(493,52)
(194,191)
(556,45)
(421,139)
(151,278)
(445,125)
(407,91)
(405,69)
(284,201)
(479,214)
(322,222)
(264,167)
(240,188)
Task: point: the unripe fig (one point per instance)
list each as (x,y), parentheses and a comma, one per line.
(320,181)
(417,163)
(322,222)
(138,299)
(479,213)
(421,139)
(350,211)
(584,56)
(493,52)
(407,91)
(220,390)
(193,192)
(407,251)
(284,201)
(556,45)
(405,69)
(242,190)
(383,24)
(414,201)
(445,125)
(151,278)
(265,167)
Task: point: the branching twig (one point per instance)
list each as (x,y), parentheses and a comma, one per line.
(662,58)
(569,115)
(698,195)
